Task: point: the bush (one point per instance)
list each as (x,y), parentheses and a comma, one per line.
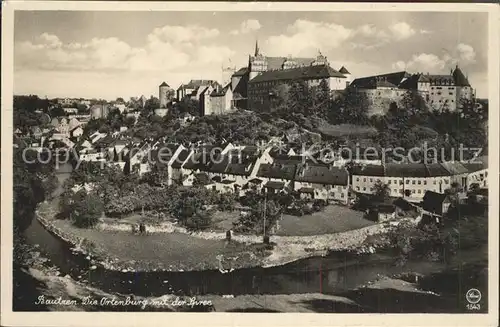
(87,212)
(199,220)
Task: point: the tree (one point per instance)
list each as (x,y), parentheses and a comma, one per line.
(382,191)
(201,179)
(351,107)
(227,201)
(57,112)
(129,121)
(87,211)
(120,100)
(28,189)
(199,220)
(150,105)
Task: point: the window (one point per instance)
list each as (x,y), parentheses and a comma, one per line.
(357,179)
(364,188)
(451,93)
(389,182)
(419,191)
(364,179)
(371,180)
(357,188)
(425,182)
(401,191)
(407,182)
(342,195)
(413,182)
(419,182)
(400,182)
(412,191)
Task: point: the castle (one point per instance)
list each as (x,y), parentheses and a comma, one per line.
(440,92)
(253,85)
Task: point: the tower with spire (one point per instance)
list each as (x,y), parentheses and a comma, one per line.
(257,63)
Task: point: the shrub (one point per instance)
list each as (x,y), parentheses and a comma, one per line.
(199,220)
(86,213)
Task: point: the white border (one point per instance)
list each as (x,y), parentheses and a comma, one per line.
(10,318)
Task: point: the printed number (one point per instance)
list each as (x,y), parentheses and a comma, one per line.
(471,306)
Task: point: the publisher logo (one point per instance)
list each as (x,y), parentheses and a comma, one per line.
(473,296)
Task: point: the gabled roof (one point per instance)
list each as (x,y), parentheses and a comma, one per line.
(369,170)
(407,170)
(321,174)
(277,170)
(306,72)
(196,83)
(459,77)
(343,70)
(275,63)
(370,82)
(180,159)
(275,185)
(477,164)
(164,84)
(454,168)
(241,166)
(222,92)
(242,71)
(433,202)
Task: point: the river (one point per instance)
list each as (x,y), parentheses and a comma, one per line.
(332,274)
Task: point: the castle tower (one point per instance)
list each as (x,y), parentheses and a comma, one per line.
(165,94)
(257,63)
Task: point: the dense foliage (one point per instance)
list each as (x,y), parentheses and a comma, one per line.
(465,227)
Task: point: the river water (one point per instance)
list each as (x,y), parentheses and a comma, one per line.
(332,274)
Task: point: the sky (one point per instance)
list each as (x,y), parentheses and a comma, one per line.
(125,54)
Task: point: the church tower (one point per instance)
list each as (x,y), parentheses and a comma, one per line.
(257,62)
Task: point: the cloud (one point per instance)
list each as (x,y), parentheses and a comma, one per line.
(169,48)
(305,38)
(248,26)
(424,62)
(401,31)
(464,55)
(466,52)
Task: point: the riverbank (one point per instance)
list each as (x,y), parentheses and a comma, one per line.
(169,247)
(49,290)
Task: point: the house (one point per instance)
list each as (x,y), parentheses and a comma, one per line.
(70,110)
(477,172)
(178,172)
(221,102)
(278,176)
(364,178)
(383,212)
(76,132)
(320,181)
(165,155)
(435,204)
